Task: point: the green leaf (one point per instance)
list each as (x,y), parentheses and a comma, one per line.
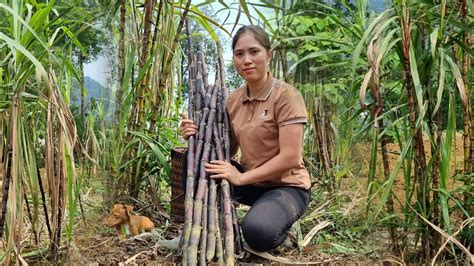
(71,200)
(433,42)
(385,24)
(441,74)
(315,55)
(12,43)
(386,188)
(74,39)
(156,147)
(415,76)
(315,38)
(244,6)
(265,20)
(17,17)
(204,20)
(459,81)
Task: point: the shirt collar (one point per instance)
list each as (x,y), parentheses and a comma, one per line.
(263,93)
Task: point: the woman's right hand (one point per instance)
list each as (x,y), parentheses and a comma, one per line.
(187,127)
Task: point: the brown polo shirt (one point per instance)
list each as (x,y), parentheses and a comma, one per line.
(255,126)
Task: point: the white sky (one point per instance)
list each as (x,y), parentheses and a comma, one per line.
(97,69)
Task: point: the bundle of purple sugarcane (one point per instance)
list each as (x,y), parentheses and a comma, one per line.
(210,230)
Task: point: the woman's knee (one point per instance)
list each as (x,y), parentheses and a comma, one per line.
(261,235)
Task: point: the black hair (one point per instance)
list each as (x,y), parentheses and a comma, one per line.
(260,35)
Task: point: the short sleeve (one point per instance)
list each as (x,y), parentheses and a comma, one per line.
(290,108)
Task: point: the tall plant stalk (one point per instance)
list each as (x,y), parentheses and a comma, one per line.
(420,161)
(121,61)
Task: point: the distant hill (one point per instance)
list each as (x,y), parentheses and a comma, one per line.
(95,91)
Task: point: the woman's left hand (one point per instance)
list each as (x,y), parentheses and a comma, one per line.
(221,169)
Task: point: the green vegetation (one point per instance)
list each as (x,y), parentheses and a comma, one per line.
(387,94)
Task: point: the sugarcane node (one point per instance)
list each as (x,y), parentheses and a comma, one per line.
(210,204)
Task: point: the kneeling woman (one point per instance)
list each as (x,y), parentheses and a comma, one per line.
(267,118)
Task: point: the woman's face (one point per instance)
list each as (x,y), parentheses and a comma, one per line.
(251,58)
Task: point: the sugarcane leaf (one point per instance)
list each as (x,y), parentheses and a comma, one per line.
(336,15)
(246,10)
(458,203)
(464,26)
(328,66)
(30,168)
(415,76)
(363,88)
(204,20)
(470,7)
(386,188)
(465,48)
(446,147)
(69,174)
(449,238)
(237,18)
(389,217)
(71,68)
(36,22)
(20,19)
(383,26)
(315,38)
(459,81)
(372,166)
(442,12)
(441,74)
(386,45)
(315,55)
(74,39)
(222,2)
(263,17)
(12,43)
(433,41)
(224,21)
(156,147)
(207,27)
(209,2)
(393,124)
(267,4)
(142,71)
(307,239)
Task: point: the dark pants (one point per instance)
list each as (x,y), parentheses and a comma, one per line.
(273,210)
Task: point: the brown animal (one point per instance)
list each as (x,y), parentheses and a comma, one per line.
(122,215)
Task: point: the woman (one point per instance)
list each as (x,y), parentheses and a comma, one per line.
(267,118)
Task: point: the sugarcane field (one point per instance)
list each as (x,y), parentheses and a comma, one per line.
(204,132)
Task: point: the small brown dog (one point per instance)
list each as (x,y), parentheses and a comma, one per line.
(122,215)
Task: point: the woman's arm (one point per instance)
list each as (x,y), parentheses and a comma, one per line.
(290,141)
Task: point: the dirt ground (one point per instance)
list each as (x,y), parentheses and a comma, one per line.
(96,244)
(361,153)
(102,245)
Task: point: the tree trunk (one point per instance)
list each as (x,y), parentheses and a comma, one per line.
(169,58)
(284,64)
(420,160)
(468,132)
(143,89)
(139,104)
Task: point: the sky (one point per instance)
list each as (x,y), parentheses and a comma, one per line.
(97,70)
